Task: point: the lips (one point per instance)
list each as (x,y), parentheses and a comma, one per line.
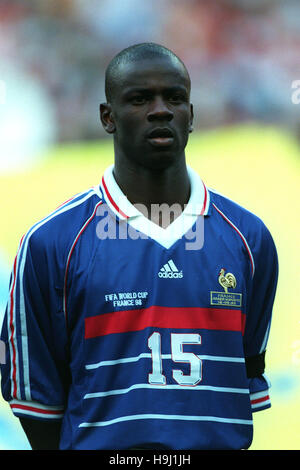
(161,137)
(160,132)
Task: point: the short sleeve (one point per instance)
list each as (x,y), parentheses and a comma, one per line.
(34,377)
(259,316)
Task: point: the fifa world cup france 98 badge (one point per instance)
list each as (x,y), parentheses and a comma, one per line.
(230,299)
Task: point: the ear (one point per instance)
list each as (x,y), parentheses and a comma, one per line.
(192,118)
(106,118)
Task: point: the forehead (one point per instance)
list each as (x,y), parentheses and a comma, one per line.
(151,73)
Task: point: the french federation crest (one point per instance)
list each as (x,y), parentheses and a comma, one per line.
(230,299)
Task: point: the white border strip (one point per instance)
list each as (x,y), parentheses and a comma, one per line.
(256,396)
(17,411)
(261,404)
(14,404)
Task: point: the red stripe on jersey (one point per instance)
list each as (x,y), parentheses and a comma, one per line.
(240,234)
(65,202)
(112,201)
(164,317)
(37,410)
(71,251)
(205,200)
(259,400)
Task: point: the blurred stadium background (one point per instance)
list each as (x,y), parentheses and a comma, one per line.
(243,57)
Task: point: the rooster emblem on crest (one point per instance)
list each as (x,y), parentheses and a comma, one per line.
(226,280)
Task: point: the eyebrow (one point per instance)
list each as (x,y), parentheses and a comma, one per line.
(175,88)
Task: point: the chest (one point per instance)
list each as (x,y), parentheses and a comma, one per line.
(114,275)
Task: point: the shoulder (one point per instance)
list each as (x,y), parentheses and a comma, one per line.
(235,214)
(251,228)
(58,229)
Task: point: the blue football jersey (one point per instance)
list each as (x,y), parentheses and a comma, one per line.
(138,336)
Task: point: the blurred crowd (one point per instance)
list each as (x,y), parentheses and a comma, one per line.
(242,54)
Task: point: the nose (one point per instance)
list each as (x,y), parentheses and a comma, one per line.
(159,110)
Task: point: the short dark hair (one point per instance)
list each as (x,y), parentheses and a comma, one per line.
(145,50)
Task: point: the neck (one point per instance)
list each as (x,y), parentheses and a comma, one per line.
(150,188)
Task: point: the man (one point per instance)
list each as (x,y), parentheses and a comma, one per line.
(130,326)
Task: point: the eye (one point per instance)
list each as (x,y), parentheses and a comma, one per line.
(138,99)
(177,98)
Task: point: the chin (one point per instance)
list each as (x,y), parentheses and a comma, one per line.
(159,161)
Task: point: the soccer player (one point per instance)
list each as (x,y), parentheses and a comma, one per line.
(139,311)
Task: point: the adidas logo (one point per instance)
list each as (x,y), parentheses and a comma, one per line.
(170,271)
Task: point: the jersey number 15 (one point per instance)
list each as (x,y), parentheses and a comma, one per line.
(178,340)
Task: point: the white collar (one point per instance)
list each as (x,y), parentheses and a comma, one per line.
(117,201)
